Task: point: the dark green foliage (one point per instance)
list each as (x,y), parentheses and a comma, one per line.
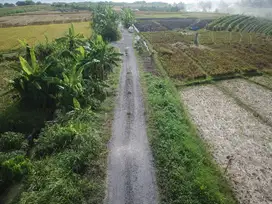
(105,22)
(54,139)
(12,141)
(186,173)
(60,177)
(67,72)
(128,17)
(13,169)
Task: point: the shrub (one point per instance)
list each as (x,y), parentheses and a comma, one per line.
(13,170)
(53,139)
(12,141)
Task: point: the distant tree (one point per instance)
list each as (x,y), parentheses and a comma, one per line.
(1,5)
(39,3)
(8,5)
(205,5)
(181,6)
(20,3)
(25,3)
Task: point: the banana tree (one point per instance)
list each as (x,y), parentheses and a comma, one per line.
(100,59)
(72,39)
(30,84)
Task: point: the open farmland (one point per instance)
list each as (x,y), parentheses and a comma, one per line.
(240,141)
(163,24)
(36,33)
(243,54)
(157,14)
(42,18)
(242,23)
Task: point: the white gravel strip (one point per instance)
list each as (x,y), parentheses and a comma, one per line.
(232,131)
(253,95)
(264,80)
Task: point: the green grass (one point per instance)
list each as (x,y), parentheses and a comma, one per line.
(185,169)
(201,15)
(23,9)
(186,172)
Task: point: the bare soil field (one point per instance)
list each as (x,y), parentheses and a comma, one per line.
(263,80)
(161,24)
(256,97)
(240,143)
(40,18)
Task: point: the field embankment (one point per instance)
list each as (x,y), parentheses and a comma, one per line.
(185,169)
(36,33)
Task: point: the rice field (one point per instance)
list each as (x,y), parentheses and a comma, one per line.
(34,34)
(219,54)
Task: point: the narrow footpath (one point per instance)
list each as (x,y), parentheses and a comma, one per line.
(131,176)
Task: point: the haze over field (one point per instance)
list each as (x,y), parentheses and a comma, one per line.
(262,8)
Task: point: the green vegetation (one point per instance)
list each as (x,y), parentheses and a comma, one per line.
(128,17)
(241,23)
(105,22)
(23,9)
(69,82)
(185,169)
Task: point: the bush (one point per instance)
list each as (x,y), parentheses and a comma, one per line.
(12,141)
(51,184)
(13,170)
(53,139)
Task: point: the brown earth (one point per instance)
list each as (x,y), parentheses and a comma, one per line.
(240,143)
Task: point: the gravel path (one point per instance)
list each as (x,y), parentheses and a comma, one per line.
(232,131)
(256,97)
(131,177)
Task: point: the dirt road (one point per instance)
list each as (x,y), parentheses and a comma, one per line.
(131,178)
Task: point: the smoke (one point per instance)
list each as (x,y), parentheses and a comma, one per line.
(258,8)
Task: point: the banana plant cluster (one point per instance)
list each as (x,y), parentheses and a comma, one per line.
(128,17)
(74,73)
(105,22)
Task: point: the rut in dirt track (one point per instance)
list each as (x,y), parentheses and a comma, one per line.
(131,176)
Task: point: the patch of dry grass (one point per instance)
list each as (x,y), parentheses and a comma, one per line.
(36,33)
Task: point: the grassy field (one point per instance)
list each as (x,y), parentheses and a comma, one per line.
(201,15)
(36,33)
(219,54)
(24,9)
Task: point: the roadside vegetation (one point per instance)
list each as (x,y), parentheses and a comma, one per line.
(127,17)
(105,22)
(186,172)
(51,140)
